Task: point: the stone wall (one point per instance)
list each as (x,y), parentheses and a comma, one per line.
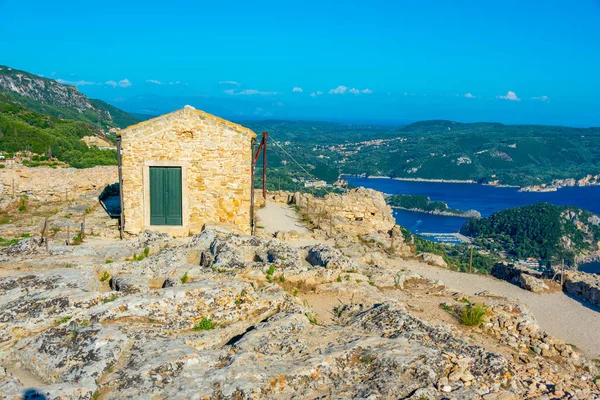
(215,156)
(585,286)
(53,184)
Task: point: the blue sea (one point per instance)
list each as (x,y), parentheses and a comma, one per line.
(468,196)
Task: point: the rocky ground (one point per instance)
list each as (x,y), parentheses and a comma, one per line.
(219,315)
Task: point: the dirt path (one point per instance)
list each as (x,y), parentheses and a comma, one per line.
(276,217)
(557,313)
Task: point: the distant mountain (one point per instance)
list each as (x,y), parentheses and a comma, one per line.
(543,231)
(50,97)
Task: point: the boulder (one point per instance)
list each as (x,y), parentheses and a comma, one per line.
(433,259)
(531,283)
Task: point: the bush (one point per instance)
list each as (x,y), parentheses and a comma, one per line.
(205,325)
(473,314)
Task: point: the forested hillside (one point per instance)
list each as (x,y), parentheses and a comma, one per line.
(50,119)
(544,231)
(483,152)
(21,128)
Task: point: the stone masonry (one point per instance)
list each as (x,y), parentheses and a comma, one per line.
(215,158)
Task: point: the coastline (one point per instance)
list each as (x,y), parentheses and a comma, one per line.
(466,214)
(553,187)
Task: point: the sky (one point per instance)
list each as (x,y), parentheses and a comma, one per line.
(534,61)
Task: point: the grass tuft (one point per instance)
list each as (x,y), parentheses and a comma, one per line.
(473,314)
(185,278)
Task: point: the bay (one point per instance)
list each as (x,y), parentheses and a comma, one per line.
(590,268)
(468,196)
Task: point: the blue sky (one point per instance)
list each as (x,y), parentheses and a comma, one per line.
(508,61)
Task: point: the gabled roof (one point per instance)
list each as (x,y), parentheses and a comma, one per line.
(192,111)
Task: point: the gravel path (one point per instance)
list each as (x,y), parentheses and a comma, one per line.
(557,313)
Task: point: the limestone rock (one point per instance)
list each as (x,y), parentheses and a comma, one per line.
(532,284)
(433,259)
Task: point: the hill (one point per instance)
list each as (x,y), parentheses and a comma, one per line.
(520,155)
(421,203)
(543,231)
(22,128)
(51,119)
(47,96)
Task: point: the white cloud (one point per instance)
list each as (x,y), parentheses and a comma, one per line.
(317,93)
(510,95)
(343,90)
(76,83)
(111,83)
(154,81)
(542,98)
(124,83)
(469,96)
(297,89)
(338,90)
(249,92)
(229,83)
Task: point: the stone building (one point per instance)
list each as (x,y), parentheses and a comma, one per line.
(183,170)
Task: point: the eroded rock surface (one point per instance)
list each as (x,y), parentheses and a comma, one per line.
(227,316)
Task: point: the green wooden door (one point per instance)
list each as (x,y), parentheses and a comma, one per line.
(165,196)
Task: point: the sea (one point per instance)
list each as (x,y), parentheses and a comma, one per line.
(469,196)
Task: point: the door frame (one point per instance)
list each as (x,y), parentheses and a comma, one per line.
(177,230)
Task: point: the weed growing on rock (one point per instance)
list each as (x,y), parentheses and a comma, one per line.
(205,325)
(23,203)
(108,261)
(185,278)
(473,315)
(105,276)
(142,255)
(446,307)
(312,319)
(339,278)
(371,283)
(109,299)
(77,240)
(270,272)
(63,320)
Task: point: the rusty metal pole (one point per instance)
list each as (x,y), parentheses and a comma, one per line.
(252,224)
(264,177)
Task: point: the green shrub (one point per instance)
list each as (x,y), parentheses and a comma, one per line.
(473,315)
(205,325)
